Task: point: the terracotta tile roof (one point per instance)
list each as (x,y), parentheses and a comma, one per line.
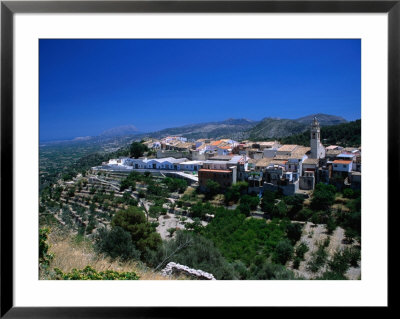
(215,170)
(264,161)
(287,148)
(341,162)
(314,161)
(216,143)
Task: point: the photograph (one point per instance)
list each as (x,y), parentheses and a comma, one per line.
(199,159)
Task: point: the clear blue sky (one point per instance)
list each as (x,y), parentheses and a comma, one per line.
(88,86)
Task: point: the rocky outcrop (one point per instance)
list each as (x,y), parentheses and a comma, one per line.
(172,268)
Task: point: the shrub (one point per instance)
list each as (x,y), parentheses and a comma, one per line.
(323,197)
(354,255)
(296,262)
(348,193)
(88,273)
(330,225)
(294,231)
(251,201)
(339,263)
(44,256)
(133,220)
(283,252)
(195,251)
(280,210)
(270,271)
(301,250)
(212,189)
(267,202)
(304,214)
(116,243)
(318,259)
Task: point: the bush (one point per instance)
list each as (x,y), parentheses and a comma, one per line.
(280,210)
(133,220)
(137,149)
(175,184)
(348,193)
(339,263)
(318,259)
(323,196)
(195,251)
(116,243)
(304,215)
(200,210)
(270,271)
(296,263)
(212,189)
(88,273)
(353,255)
(283,252)
(301,250)
(156,211)
(330,225)
(234,192)
(251,201)
(267,202)
(294,231)
(44,256)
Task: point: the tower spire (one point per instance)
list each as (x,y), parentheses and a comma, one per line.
(317,149)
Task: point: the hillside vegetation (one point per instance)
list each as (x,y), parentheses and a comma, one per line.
(346,135)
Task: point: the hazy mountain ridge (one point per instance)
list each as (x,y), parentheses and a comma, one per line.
(237,129)
(207,130)
(278,128)
(248,129)
(323,119)
(120,130)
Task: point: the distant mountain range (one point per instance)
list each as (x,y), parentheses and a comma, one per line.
(120,131)
(247,129)
(237,129)
(206,130)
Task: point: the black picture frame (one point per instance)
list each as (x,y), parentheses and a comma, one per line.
(9,8)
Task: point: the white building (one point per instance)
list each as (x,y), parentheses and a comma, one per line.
(342,166)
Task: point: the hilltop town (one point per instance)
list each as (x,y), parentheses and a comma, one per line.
(291,169)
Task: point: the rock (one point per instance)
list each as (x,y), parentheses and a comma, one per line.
(172,266)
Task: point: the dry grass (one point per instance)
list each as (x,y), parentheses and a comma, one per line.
(341,200)
(340,207)
(70,253)
(218,200)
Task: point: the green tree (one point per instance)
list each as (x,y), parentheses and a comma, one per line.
(137,149)
(133,220)
(267,202)
(44,256)
(301,250)
(280,210)
(195,251)
(200,210)
(251,201)
(234,192)
(171,231)
(212,189)
(348,193)
(323,197)
(294,231)
(116,243)
(283,252)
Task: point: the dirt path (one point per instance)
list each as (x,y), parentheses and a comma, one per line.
(172,221)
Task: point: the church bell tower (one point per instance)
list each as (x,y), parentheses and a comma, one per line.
(317,149)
